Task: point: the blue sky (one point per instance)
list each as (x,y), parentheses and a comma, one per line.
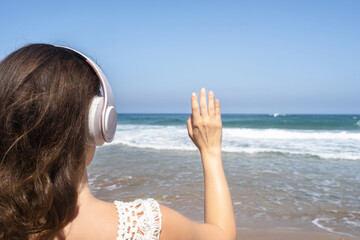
(257,56)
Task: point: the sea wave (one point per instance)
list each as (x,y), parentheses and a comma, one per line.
(323,144)
(292,134)
(277,115)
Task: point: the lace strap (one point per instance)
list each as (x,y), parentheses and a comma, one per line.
(139,220)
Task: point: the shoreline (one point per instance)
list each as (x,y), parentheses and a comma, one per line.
(274,197)
(274,234)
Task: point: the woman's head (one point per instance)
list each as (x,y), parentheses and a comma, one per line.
(44,100)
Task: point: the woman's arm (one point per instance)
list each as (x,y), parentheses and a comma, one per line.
(205,130)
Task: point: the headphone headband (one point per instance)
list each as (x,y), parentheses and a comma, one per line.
(107,117)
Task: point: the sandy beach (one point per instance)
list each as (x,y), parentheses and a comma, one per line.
(289,235)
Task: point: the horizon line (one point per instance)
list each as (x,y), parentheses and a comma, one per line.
(279,114)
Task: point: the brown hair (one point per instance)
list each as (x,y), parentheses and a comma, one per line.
(45,92)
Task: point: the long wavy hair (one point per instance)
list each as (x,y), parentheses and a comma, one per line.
(45,92)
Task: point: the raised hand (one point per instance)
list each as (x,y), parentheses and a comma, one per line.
(205,128)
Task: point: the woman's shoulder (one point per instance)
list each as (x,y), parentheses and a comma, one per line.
(139,219)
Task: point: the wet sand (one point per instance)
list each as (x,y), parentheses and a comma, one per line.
(289,235)
(264,197)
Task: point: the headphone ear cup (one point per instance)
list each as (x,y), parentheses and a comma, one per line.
(110,123)
(94,135)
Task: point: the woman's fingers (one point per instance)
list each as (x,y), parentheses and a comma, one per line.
(194,105)
(217,109)
(211,110)
(203,105)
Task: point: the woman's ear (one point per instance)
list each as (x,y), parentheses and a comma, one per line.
(89,154)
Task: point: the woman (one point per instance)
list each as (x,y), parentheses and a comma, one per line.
(45,98)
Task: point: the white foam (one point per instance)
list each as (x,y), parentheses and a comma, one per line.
(353,223)
(278,114)
(323,144)
(290,134)
(316,222)
(315,154)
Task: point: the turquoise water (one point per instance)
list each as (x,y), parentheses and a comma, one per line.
(256,121)
(284,171)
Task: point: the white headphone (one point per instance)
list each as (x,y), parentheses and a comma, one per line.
(102,112)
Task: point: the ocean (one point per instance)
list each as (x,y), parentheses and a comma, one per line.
(284,171)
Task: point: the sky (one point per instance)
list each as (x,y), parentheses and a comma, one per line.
(257,56)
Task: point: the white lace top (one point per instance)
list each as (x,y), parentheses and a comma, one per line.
(139,220)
